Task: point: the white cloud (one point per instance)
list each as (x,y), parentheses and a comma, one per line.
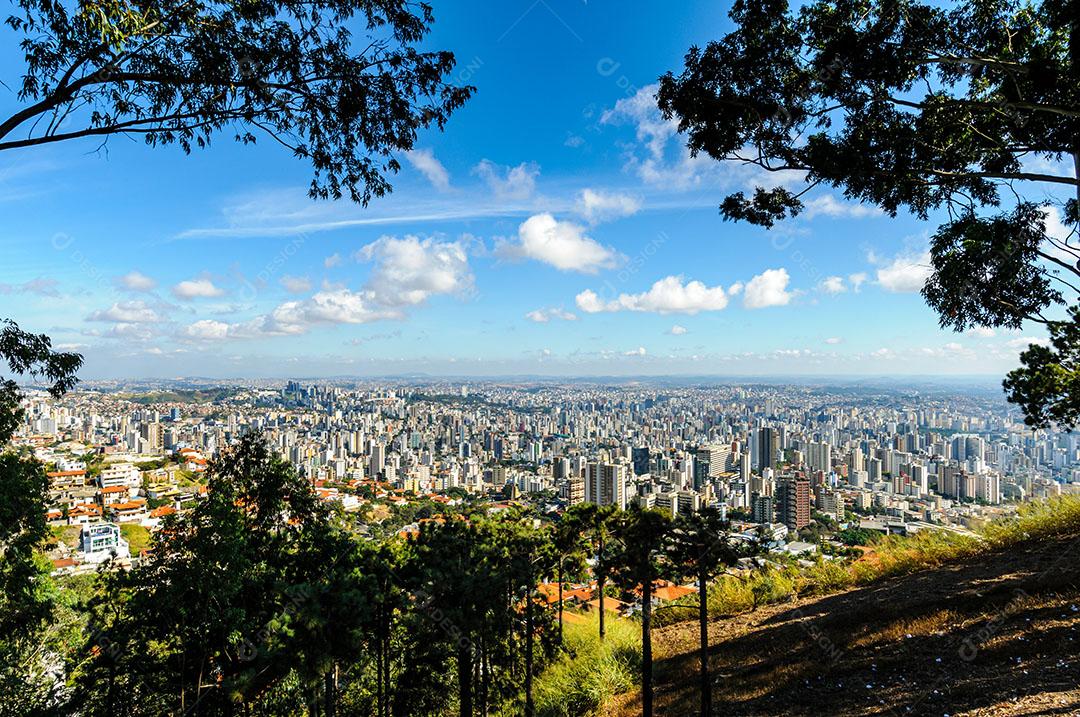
(561,244)
(857,280)
(130,332)
(768,288)
(543,316)
(832,285)
(905,274)
(669,295)
(296,284)
(597,206)
(735,289)
(410,270)
(662,159)
(331,307)
(196,289)
(677,330)
(984,332)
(639,351)
(136,281)
(292,318)
(425,162)
(834,340)
(127,312)
(1023,342)
(509,182)
(207,330)
(829,206)
(331,261)
(640,109)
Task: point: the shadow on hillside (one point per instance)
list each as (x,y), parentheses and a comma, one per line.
(984,636)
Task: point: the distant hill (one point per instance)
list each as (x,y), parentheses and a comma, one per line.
(997,633)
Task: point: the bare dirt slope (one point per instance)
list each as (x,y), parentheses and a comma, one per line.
(994,635)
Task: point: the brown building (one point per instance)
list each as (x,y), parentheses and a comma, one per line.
(793,502)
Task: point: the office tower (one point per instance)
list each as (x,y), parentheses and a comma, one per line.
(793,502)
(767,450)
(640,459)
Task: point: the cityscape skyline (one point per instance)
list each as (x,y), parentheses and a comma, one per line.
(567,235)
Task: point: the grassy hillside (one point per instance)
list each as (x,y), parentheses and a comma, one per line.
(589,672)
(933,624)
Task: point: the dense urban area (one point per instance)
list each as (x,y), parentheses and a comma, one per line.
(807,466)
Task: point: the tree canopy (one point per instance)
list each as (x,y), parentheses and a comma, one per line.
(971,108)
(339,83)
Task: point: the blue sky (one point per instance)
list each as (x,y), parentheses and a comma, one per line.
(556,227)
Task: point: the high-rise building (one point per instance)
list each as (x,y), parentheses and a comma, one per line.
(575,490)
(793,502)
(605,484)
(640,459)
(761,508)
(767,450)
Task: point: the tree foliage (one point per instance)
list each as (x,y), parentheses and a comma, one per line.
(920,107)
(342,84)
(25,598)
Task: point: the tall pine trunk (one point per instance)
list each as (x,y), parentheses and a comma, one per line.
(600,584)
(703,625)
(530,709)
(465,669)
(560,602)
(646,649)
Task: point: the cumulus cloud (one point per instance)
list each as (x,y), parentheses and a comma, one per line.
(409,270)
(905,274)
(984,332)
(857,280)
(832,285)
(339,306)
(136,281)
(677,330)
(207,330)
(331,261)
(509,182)
(670,295)
(639,351)
(202,288)
(126,312)
(768,288)
(543,316)
(424,161)
(296,284)
(561,244)
(597,206)
(406,272)
(834,340)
